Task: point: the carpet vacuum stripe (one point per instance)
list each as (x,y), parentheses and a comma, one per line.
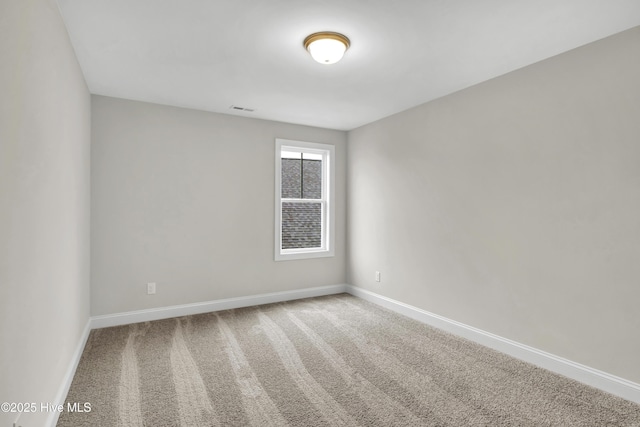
(326,361)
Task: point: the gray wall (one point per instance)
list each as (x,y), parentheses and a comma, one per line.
(512,206)
(44,204)
(185,199)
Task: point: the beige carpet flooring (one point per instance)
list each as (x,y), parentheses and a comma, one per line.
(329,361)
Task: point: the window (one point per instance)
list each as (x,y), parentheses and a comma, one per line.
(304,200)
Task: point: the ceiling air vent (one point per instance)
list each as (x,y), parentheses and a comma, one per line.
(236,108)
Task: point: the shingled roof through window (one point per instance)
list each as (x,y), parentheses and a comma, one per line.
(301,221)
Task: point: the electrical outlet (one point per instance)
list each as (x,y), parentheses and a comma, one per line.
(151,288)
(377,276)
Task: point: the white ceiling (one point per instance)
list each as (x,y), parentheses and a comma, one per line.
(211,54)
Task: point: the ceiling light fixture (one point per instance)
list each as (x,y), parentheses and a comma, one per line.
(327,47)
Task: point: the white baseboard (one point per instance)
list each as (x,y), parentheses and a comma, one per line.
(584,374)
(52,419)
(209,306)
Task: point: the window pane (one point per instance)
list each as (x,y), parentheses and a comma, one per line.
(301,179)
(312,179)
(301,225)
(291,178)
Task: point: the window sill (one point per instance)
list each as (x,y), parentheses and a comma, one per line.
(290,256)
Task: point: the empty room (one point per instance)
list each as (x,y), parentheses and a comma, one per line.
(349,213)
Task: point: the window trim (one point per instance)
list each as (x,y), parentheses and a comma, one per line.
(328,198)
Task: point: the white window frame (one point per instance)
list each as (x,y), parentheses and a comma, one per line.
(327,248)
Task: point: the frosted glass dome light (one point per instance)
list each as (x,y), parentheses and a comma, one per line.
(326,47)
